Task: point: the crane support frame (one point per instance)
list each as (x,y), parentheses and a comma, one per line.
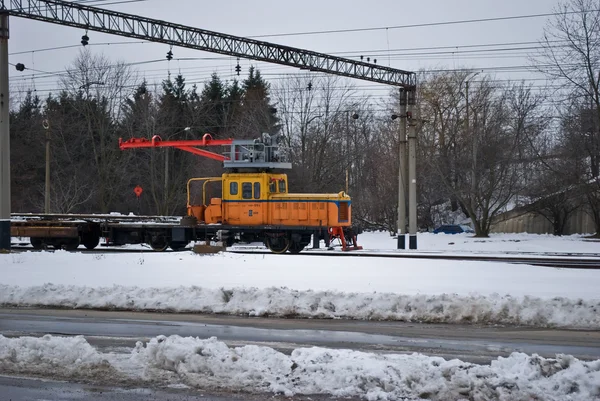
(185,145)
(113,22)
(261,153)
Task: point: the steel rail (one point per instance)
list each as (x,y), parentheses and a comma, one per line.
(557,262)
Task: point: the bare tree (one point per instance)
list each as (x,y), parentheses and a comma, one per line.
(315,126)
(571,58)
(96,86)
(477,156)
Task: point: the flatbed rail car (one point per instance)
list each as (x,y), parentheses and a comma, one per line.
(69,231)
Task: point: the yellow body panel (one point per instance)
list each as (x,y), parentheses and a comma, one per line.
(256,199)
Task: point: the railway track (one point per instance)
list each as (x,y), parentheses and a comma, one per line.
(566,262)
(572,261)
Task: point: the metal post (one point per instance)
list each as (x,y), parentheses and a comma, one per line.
(4,137)
(47,186)
(402,172)
(412,172)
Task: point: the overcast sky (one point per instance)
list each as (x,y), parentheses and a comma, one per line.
(273,17)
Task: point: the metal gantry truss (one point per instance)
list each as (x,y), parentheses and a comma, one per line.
(133,26)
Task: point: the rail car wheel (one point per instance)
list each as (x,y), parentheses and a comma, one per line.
(158,243)
(37,243)
(69,244)
(299,243)
(296,247)
(90,240)
(278,243)
(178,246)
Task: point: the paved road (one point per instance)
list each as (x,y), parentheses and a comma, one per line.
(110,330)
(473,343)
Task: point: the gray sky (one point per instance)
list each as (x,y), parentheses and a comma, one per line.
(271,17)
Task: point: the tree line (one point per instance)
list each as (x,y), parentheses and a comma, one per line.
(484,146)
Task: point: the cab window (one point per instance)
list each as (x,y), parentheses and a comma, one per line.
(233,188)
(246,190)
(282,186)
(257,190)
(272,187)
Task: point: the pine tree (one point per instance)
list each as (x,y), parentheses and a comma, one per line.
(258,114)
(212,102)
(233,107)
(138,113)
(27,139)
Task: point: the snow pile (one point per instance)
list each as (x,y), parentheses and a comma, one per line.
(285,302)
(67,356)
(346,373)
(210,364)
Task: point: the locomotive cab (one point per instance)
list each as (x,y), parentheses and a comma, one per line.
(244,198)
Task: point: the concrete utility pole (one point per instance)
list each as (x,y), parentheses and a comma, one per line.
(474,149)
(4,137)
(412,171)
(402,169)
(348,146)
(166,190)
(166,187)
(46,126)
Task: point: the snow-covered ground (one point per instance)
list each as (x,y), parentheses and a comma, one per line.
(209,363)
(319,286)
(315,286)
(496,243)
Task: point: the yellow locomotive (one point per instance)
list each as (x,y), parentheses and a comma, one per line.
(255,202)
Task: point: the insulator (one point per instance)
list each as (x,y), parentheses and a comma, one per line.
(20,67)
(169,55)
(85,40)
(309,87)
(238,68)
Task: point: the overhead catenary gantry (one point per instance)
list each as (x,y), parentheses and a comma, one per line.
(133,26)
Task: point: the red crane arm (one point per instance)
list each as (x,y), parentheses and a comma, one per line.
(186,145)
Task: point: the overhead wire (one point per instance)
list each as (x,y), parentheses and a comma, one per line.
(475,51)
(421,25)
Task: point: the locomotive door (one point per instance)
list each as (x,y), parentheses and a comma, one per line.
(232,205)
(252,206)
